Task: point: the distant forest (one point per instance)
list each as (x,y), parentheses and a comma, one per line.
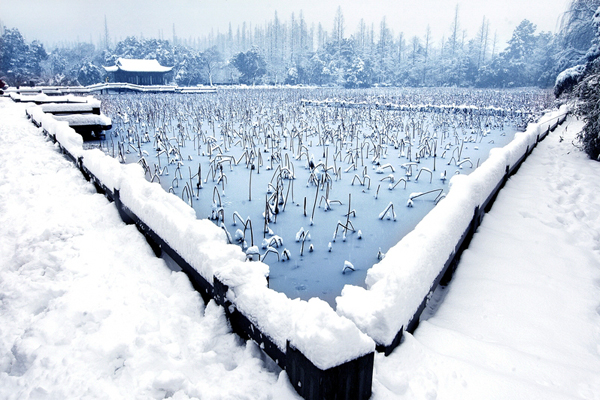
(290,52)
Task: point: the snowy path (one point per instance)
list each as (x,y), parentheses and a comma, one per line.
(86,309)
(520,319)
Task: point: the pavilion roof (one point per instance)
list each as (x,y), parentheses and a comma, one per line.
(136,65)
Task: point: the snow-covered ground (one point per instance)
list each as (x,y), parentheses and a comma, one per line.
(86,310)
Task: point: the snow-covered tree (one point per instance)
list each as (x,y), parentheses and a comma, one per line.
(250,64)
(90,74)
(210,59)
(576,33)
(518,54)
(20,62)
(588,93)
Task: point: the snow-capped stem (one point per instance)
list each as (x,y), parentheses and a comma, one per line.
(399,180)
(218,196)
(349,205)
(389,210)
(437,198)
(287,195)
(426,170)
(250,185)
(187,192)
(237,215)
(387,166)
(229,241)
(270,250)
(466,160)
(267,217)
(303,237)
(312,216)
(305,206)
(348,267)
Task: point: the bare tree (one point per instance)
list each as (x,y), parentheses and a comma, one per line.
(338,25)
(455,31)
(426,52)
(106,36)
(401,48)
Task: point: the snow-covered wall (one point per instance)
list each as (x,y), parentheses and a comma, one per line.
(397,285)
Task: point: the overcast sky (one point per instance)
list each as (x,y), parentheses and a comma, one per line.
(53,21)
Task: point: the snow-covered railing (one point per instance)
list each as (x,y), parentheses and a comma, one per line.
(81,113)
(399,286)
(415,107)
(117,86)
(325,354)
(91,107)
(43,98)
(106,87)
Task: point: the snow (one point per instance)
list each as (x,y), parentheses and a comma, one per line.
(270,311)
(70,107)
(325,343)
(85,119)
(574,73)
(519,320)
(44,98)
(107,169)
(136,65)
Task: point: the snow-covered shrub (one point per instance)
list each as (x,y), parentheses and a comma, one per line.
(588,92)
(566,80)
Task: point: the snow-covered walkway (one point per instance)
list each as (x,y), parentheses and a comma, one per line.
(87,311)
(520,319)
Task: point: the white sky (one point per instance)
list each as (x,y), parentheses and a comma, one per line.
(53,21)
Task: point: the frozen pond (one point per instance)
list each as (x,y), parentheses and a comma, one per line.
(321,190)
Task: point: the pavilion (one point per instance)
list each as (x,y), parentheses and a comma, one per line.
(138,72)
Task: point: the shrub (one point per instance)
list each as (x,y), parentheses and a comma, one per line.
(588,91)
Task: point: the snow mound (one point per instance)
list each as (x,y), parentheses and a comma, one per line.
(326,339)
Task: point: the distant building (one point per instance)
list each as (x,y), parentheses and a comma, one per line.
(138,72)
